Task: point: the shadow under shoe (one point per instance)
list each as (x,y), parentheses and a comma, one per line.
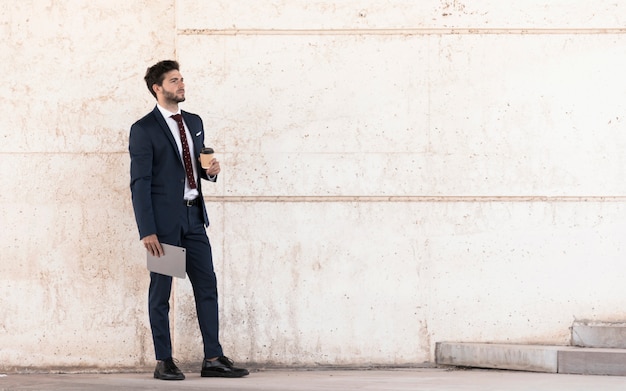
(222,367)
(167,370)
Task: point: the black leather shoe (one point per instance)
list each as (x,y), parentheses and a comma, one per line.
(222,367)
(167,370)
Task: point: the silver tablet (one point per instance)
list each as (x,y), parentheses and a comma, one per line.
(173,262)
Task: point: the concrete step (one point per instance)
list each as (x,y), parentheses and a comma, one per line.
(534,358)
(593,361)
(599,335)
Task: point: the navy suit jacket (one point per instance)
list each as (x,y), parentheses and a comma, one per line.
(157,174)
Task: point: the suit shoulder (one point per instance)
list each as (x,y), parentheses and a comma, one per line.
(146,119)
(190,115)
(192,119)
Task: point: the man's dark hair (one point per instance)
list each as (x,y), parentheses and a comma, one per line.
(156,73)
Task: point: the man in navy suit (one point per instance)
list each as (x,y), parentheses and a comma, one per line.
(169,208)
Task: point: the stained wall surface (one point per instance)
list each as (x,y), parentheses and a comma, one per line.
(393,174)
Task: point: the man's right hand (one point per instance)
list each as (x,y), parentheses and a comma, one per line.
(152,245)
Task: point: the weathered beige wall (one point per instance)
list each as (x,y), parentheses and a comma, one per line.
(73,290)
(394,174)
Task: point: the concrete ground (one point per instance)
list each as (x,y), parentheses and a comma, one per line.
(427,379)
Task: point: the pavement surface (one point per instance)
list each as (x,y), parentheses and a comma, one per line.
(430,379)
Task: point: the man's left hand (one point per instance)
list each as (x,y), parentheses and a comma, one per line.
(214,169)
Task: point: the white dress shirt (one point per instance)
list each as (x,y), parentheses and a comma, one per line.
(190,194)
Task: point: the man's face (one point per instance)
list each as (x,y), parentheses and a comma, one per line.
(173,88)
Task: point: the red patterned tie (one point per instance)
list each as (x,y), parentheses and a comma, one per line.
(186,154)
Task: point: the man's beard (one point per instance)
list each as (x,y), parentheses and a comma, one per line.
(171,97)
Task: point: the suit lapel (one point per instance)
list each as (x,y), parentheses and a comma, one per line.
(165,129)
(196,134)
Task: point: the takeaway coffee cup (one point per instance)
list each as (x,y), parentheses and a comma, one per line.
(206,155)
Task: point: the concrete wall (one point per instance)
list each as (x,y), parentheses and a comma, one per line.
(73,290)
(394,174)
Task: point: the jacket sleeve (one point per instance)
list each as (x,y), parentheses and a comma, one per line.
(141,155)
(203,174)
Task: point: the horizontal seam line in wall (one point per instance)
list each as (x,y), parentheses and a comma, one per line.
(424,31)
(520,199)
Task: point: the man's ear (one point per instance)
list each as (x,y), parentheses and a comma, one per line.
(155,88)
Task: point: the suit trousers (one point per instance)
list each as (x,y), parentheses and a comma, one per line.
(194,239)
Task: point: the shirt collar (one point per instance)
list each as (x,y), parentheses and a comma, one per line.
(165,112)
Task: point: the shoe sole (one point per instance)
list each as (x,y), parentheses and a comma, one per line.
(168,378)
(217,374)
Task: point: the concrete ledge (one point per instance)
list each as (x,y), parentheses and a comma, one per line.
(599,335)
(535,358)
(587,361)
